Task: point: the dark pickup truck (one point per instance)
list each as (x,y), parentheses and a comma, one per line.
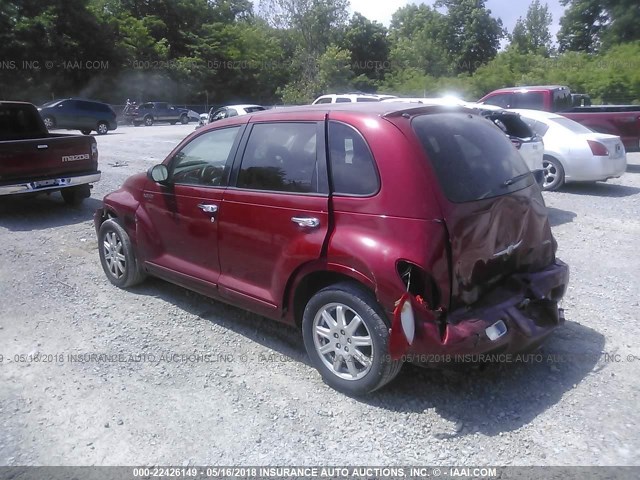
(155,112)
(620,120)
(32,160)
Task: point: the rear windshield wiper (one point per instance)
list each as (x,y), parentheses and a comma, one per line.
(515,179)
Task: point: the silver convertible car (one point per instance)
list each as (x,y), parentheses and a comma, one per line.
(574,153)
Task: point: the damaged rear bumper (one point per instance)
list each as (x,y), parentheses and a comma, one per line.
(515,316)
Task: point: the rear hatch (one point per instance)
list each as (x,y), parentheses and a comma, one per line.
(492,207)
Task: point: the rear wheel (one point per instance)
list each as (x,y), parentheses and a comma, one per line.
(49,122)
(75,195)
(347,339)
(184,119)
(117,255)
(553,173)
(102,128)
(148,121)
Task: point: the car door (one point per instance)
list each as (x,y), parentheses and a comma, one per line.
(66,113)
(181,234)
(162,112)
(274,216)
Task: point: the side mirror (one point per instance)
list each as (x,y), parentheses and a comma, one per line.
(158,173)
(539,176)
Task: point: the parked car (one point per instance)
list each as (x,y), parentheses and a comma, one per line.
(412,231)
(79,114)
(219,113)
(573,153)
(33,161)
(158,112)
(620,120)
(526,141)
(350,98)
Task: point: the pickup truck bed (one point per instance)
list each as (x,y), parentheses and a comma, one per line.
(32,160)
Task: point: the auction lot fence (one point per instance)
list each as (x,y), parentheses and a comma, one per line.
(320,472)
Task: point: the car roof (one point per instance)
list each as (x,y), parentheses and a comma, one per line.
(381,109)
(242,105)
(531,88)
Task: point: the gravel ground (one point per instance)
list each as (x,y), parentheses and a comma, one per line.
(257,401)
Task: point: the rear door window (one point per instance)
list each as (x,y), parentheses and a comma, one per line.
(353,170)
(529,100)
(471,157)
(343,100)
(282,157)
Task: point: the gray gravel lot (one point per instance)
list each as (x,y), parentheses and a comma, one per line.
(257,400)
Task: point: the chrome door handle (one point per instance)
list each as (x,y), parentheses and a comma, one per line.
(208,208)
(309,222)
(42,147)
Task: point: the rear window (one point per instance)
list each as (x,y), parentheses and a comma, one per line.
(254,109)
(569,124)
(471,157)
(538,127)
(367,99)
(19,122)
(562,100)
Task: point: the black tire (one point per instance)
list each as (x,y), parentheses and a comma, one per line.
(172,123)
(124,272)
(148,121)
(360,301)
(75,195)
(85,132)
(49,122)
(184,119)
(102,128)
(553,173)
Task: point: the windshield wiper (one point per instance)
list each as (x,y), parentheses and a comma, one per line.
(515,179)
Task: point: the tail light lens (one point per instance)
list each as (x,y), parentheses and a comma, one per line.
(597,148)
(94,152)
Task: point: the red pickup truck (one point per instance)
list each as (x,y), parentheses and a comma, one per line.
(620,120)
(32,160)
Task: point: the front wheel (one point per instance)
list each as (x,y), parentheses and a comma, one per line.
(553,173)
(347,339)
(117,255)
(102,128)
(148,121)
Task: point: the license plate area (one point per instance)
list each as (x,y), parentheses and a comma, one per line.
(55,182)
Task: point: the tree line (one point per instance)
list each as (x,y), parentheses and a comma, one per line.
(290,51)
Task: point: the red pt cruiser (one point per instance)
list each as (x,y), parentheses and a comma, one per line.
(385,231)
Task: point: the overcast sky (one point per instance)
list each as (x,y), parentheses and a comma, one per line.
(507,10)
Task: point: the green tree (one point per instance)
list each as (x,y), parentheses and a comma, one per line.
(582,25)
(471,34)
(531,34)
(368,45)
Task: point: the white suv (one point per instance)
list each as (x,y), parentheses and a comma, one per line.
(350,98)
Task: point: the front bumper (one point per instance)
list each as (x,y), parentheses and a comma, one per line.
(53,183)
(526,304)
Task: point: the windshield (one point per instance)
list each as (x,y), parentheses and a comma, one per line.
(569,124)
(472,158)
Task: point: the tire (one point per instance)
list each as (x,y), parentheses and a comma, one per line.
(148,121)
(184,119)
(49,122)
(553,173)
(75,195)
(85,132)
(172,123)
(117,256)
(102,128)
(372,368)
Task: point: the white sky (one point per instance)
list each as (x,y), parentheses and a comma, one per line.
(507,10)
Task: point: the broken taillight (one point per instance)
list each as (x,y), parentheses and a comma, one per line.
(597,148)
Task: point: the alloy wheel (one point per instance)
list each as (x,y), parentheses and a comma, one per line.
(343,341)
(114,255)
